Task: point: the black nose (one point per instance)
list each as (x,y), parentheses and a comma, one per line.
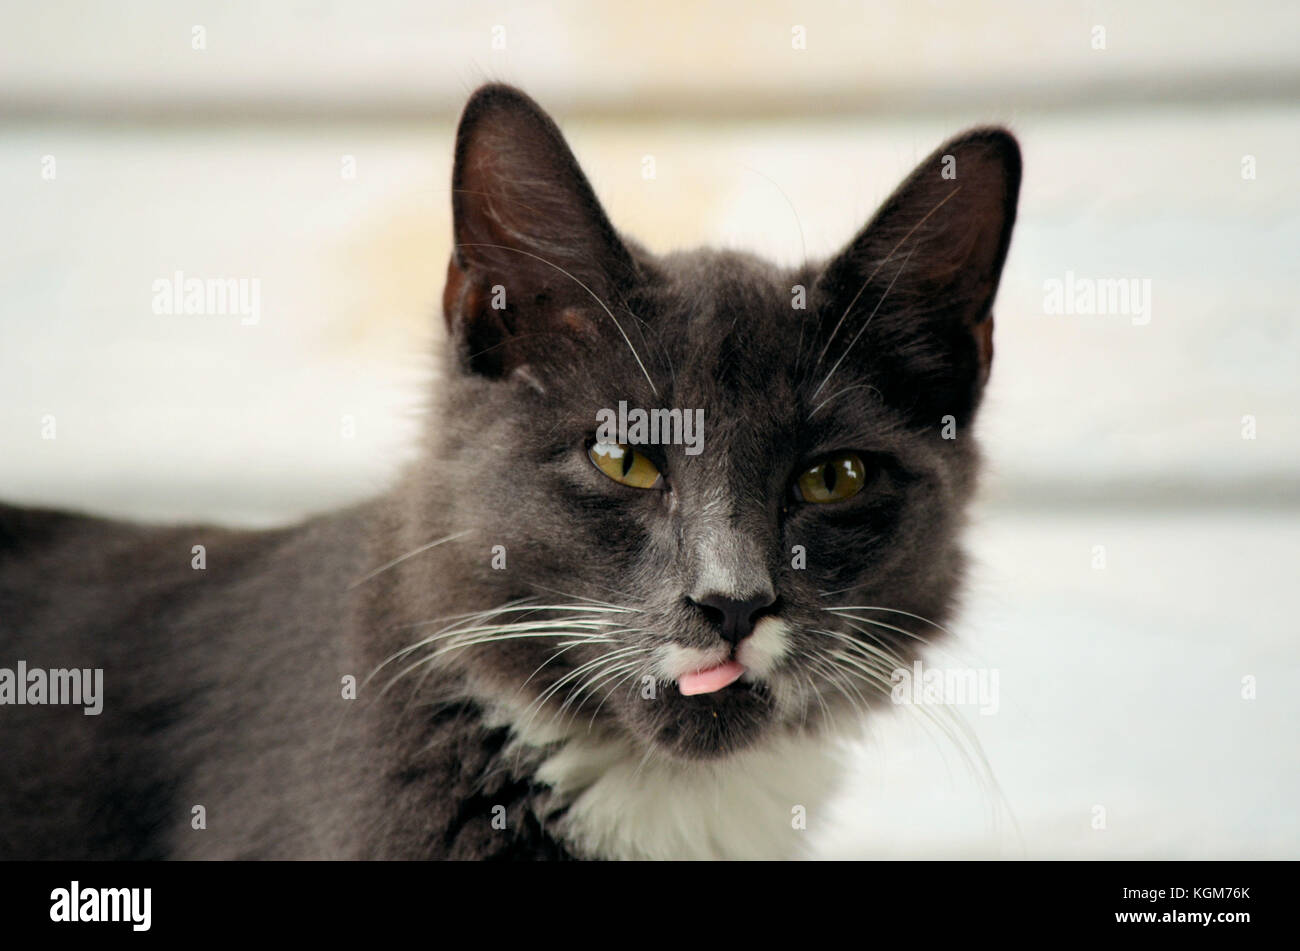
(735,617)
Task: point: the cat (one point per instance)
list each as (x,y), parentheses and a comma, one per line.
(540,644)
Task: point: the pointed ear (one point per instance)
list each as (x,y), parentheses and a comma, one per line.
(917,284)
(535,255)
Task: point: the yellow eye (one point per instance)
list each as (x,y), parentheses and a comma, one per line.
(624,464)
(836,479)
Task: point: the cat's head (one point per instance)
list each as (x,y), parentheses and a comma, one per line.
(806,539)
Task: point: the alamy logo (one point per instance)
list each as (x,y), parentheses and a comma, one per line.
(214,296)
(35,686)
(656,427)
(919,685)
(1099,296)
(75,903)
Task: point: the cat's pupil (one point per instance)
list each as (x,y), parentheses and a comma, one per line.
(627,462)
(828,477)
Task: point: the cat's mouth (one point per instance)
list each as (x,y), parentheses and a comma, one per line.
(713,712)
(712,679)
(721,699)
(698,671)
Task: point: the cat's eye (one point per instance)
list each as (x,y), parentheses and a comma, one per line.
(835,479)
(625,465)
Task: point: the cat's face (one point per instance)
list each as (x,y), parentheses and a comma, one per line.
(768,570)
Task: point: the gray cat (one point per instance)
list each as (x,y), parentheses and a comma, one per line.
(557,636)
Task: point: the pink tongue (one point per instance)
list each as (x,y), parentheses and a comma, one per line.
(707,681)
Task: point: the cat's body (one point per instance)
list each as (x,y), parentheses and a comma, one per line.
(541,645)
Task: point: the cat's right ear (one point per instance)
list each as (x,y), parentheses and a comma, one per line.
(535,256)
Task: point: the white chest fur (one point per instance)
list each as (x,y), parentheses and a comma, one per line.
(758,804)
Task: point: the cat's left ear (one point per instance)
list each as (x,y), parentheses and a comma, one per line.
(916,286)
(536,258)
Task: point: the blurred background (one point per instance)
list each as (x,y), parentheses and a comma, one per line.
(1137,538)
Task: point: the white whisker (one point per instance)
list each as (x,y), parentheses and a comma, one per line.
(410,554)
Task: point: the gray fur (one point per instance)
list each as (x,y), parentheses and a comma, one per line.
(223,685)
